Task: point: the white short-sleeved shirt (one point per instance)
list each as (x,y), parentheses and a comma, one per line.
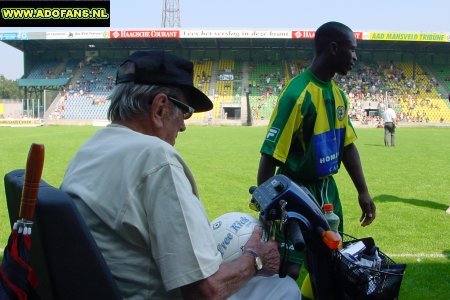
(389,115)
(141,203)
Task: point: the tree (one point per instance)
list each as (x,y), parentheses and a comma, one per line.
(9,89)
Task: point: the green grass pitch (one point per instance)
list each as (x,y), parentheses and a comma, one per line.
(410,185)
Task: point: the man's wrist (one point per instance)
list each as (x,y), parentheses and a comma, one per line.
(257,262)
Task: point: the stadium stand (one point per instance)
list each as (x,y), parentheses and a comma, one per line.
(408,87)
(51,69)
(441,74)
(202,80)
(418,88)
(265,77)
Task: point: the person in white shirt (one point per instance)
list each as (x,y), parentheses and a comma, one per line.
(390,122)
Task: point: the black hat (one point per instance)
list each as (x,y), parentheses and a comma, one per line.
(158,67)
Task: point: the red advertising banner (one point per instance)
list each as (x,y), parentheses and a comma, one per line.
(145,34)
(303,34)
(358,35)
(309,34)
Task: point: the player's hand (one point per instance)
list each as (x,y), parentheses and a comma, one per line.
(267,251)
(368,209)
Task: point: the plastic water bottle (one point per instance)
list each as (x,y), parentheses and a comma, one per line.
(332,219)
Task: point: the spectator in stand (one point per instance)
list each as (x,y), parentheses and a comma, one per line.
(141,203)
(390,120)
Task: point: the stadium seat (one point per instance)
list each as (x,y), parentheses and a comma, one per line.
(64,254)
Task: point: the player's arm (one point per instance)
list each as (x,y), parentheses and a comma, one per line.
(352,163)
(233,275)
(267,166)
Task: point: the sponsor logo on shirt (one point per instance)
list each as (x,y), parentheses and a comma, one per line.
(326,148)
(329,158)
(290,247)
(340,112)
(272,135)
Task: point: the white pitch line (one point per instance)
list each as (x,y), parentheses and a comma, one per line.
(425,255)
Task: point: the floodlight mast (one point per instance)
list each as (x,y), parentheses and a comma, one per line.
(171,14)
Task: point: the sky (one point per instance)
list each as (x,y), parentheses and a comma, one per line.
(431,16)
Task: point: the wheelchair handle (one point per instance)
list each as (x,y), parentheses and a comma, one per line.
(295,234)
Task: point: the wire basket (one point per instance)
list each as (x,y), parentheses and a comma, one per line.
(361,282)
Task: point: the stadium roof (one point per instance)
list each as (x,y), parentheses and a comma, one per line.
(43,82)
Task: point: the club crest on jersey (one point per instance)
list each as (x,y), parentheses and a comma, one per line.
(340,112)
(272,135)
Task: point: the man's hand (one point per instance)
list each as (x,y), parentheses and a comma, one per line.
(368,209)
(267,251)
(352,163)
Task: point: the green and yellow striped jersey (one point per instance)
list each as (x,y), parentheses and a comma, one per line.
(309,128)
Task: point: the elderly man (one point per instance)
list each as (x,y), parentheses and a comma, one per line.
(140,200)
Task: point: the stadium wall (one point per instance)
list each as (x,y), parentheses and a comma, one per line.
(10,108)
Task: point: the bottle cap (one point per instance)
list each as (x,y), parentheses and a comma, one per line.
(328,207)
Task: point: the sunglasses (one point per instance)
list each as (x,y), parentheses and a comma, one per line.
(186,109)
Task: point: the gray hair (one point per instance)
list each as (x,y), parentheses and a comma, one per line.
(130,99)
